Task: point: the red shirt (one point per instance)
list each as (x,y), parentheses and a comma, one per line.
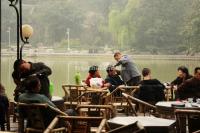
(87,81)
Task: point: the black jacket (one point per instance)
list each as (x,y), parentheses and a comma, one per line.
(151,91)
(42,71)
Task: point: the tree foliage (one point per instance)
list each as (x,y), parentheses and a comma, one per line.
(156,26)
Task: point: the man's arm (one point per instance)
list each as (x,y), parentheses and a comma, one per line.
(42,69)
(46,100)
(184,85)
(122,61)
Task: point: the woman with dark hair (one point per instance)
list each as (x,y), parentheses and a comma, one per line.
(183,75)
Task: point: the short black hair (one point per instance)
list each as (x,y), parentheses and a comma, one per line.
(93,69)
(196,69)
(109,68)
(31,83)
(17,64)
(145,72)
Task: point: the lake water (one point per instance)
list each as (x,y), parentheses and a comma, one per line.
(65,67)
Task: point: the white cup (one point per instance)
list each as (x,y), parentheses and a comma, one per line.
(190,100)
(198,100)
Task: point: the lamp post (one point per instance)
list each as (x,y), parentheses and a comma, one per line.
(23,32)
(8,37)
(68,39)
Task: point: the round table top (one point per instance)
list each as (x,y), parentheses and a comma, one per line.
(169,104)
(145,121)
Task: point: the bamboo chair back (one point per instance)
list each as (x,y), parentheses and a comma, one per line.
(77,124)
(116,98)
(33,114)
(73,94)
(37,115)
(106,111)
(147,107)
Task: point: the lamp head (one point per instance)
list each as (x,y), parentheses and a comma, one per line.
(27,31)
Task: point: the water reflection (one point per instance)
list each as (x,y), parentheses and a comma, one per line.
(64,69)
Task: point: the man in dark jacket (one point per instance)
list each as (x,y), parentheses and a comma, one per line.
(26,69)
(151,90)
(112,80)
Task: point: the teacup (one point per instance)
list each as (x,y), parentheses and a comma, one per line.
(198,100)
(190,100)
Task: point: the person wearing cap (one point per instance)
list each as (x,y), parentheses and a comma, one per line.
(129,71)
(92,73)
(112,80)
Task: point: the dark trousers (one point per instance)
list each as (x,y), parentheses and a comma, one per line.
(134,81)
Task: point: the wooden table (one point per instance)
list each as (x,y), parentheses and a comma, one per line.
(151,124)
(59,102)
(165,107)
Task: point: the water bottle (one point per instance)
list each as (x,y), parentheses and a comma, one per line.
(77,78)
(51,88)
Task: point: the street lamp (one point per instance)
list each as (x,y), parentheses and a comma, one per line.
(8,37)
(23,32)
(67,32)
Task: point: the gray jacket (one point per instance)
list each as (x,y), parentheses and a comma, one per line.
(128,68)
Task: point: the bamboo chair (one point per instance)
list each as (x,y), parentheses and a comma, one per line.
(187,120)
(118,101)
(73,94)
(77,124)
(106,111)
(115,98)
(34,114)
(147,107)
(132,128)
(198,131)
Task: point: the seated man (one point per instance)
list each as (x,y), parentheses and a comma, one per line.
(191,87)
(113,80)
(31,95)
(151,90)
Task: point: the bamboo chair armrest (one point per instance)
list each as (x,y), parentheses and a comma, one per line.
(139,101)
(58,111)
(101,126)
(198,131)
(51,125)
